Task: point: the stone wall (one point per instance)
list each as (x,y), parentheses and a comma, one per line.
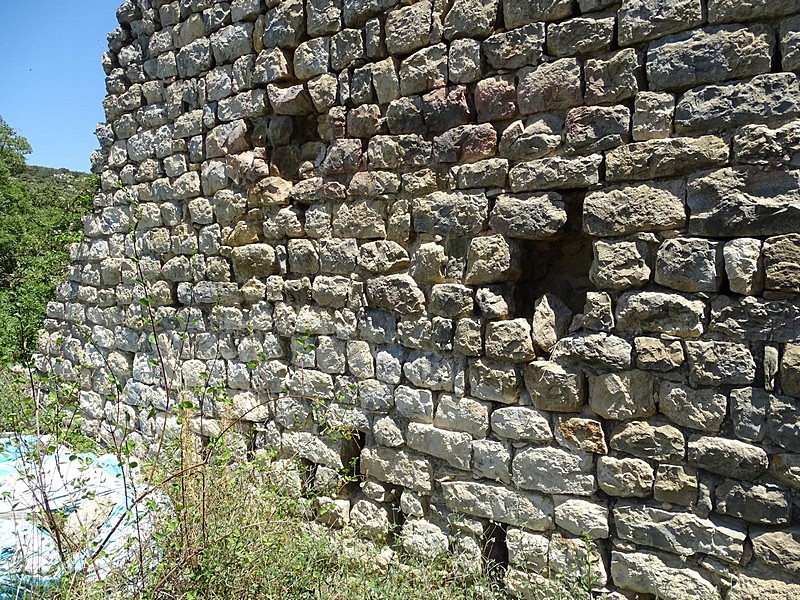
(540,256)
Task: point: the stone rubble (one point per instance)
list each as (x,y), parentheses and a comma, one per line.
(377,224)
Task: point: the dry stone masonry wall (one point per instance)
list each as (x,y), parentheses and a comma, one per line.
(542,257)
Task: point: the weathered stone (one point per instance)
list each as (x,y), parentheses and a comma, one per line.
(581,517)
(655,354)
(656,312)
(665,158)
(521,423)
(649,440)
(450,213)
(254,260)
(465,144)
(424,70)
(765,145)
(690,265)
(622,396)
(749,413)
(755,319)
(643,20)
(624,477)
(551,318)
(769,588)
(790,370)
(408,28)
(519,12)
(398,293)
(758,100)
(675,484)
(554,471)
(624,209)
(652,116)
(782,263)
(451,300)
(414,404)
(550,87)
(619,264)
(681,533)
(464,61)
(744,201)
(581,35)
(555,173)
(553,388)
(487,173)
(585,435)
(535,138)
(470,18)
(384,257)
(786,467)
(491,259)
(647,573)
(292,100)
(370,520)
(790,43)
(779,549)
(598,314)
(492,460)
(509,340)
(430,370)
(720,363)
(515,48)
(727,11)
(596,128)
(398,467)
(708,56)
(783,422)
(528,550)
(532,217)
(613,78)
(760,504)
(593,351)
(730,458)
(499,503)
(493,381)
(699,409)
(462,414)
(451,446)
(742,265)
(423,540)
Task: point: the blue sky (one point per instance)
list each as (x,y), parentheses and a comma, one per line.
(52,83)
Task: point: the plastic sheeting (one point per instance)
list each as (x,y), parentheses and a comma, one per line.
(88,494)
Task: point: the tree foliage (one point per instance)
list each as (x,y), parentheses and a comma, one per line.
(40,215)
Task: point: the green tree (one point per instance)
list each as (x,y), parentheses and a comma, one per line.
(13,148)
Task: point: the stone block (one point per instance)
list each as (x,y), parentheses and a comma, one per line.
(491,259)
(509,340)
(499,503)
(550,87)
(447,214)
(754,503)
(771,206)
(491,459)
(414,404)
(790,43)
(430,370)
(470,18)
(553,388)
(464,61)
(648,573)
(596,128)
(719,363)
(657,354)
(579,517)
(613,78)
(643,20)
(593,351)
(690,265)
(781,257)
(625,477)
(551,319)
(584,435)
(515,48)
(749,408)
(496,98)
(698,409)
(521,423)
(384,257)
(527,550)
(676,485)
(783,422)
(398,293)
(489,173)
(581,35)
(424,70)
(762,99)
(463,414)
(597,312)
(730,458)
(743,265)
(554,471)
(711,55)
(779,549)
(665,158)
(652,116)
(657,312)
(536,137)
(729,11)
(622,396)
(409,28)
(398,467)
(323,17)
(465,144)
(651,440)
(619,264)
(494,381)
(555,173)
(451,446)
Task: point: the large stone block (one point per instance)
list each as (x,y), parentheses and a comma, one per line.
(492,259)
(657,312)
(453,447)
(744,201)
(554,471)
(521,12)
(550,87)
(450,213)
(650,440)
(690,265)
(699,409)
(762,99)
(779,549)
(720,363)
(730,458)
(509,340)
(754,503)
(553,388)
(625,209)
(397,293)
(625,477)
(597,128)
(622,396)
(515,48)
(709,56)
(643,20)
(494,381)
(499,503)
(619,264)
(398,467)
(665,158)
(729,11)
(521,423)
(593,351)
(581,35)
(528,216)
(613,78)
(648,573)
(556,173)
(470,18)
(782,263)
(408,28)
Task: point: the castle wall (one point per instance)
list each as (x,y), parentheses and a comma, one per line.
(541,257)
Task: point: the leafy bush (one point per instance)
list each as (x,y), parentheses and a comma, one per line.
(40,215)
